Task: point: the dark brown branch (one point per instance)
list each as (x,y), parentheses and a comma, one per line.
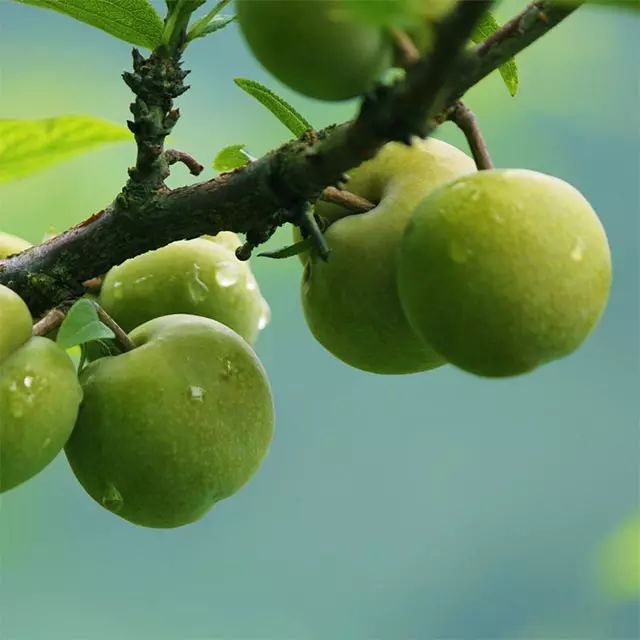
(122,338)
(252,200)
(467,122)
(346,199)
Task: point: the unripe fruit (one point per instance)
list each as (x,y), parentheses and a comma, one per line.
(504,270)
(351,301)
(170,428)
(39,395)
(315,46)
(10,244)
(200,277)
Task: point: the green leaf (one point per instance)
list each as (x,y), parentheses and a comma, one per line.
(289,251)
(134,21)
(27,146)
(82,325)
(231,157)
(280,108)
(487,26)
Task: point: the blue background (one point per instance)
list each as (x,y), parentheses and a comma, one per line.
(438,505)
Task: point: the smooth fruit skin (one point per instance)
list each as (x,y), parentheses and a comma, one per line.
(351,302)
(15,322)
(170,428)
(315,46)
(504,270)
(198,277)
(10,245)
(39,395)
(39,399)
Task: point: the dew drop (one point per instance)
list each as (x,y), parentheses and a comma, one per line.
(112,498)
(198,289)
(227,273)
(265,316)
(118,293)
(578,250)
(28,382)
(499,219)
(458,252)
(196,393)
(142,279)
(252,285)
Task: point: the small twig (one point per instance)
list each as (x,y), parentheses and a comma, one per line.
(346,199)
(173,156)
(465,119)
(51,321)
(94,285)
(122,338)
(405,46)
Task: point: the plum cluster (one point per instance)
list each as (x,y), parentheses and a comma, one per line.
(496,272)
(160,433)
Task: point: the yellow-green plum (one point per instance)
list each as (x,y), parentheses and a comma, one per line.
(504,270)
(351,302)
(316,47)
(39,395)
(200,277)
(10,245)
(171,427)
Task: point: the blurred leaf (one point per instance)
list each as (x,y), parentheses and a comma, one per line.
(82,325)
(619,561)
(134,21)
(280,108)
(27,146)
(487,26)
(289,251)
(231,157)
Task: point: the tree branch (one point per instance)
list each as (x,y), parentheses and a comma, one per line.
(256,198)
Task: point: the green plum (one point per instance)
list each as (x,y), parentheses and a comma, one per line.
(10,245)
(39,395)
(200,277)
(316,47)
(175,425)
(351,302)
(504,270)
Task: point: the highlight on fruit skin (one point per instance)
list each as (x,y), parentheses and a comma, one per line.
(39,395)
(316,47)
(351,301)
(200,277)
(504,270)
(175,425)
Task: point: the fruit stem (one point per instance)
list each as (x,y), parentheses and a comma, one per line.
(122,338)
(51,321)
(467,122)
(347,200)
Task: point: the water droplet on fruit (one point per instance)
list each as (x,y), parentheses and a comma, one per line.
(252,285)
(578,250)
(46,443)
(112,498)
(28,382)
(459,253)
(118,293)
(142,279)
(227,274)
(198,289)
(197,393)
(475,196)
(497,218)
(265,316)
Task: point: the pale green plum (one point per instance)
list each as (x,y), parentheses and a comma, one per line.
(10,244)
(504,270)
(316,47)
(201,277)
(175,425)
(351,301)
(39,395)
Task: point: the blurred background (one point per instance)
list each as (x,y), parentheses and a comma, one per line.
(428,506)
